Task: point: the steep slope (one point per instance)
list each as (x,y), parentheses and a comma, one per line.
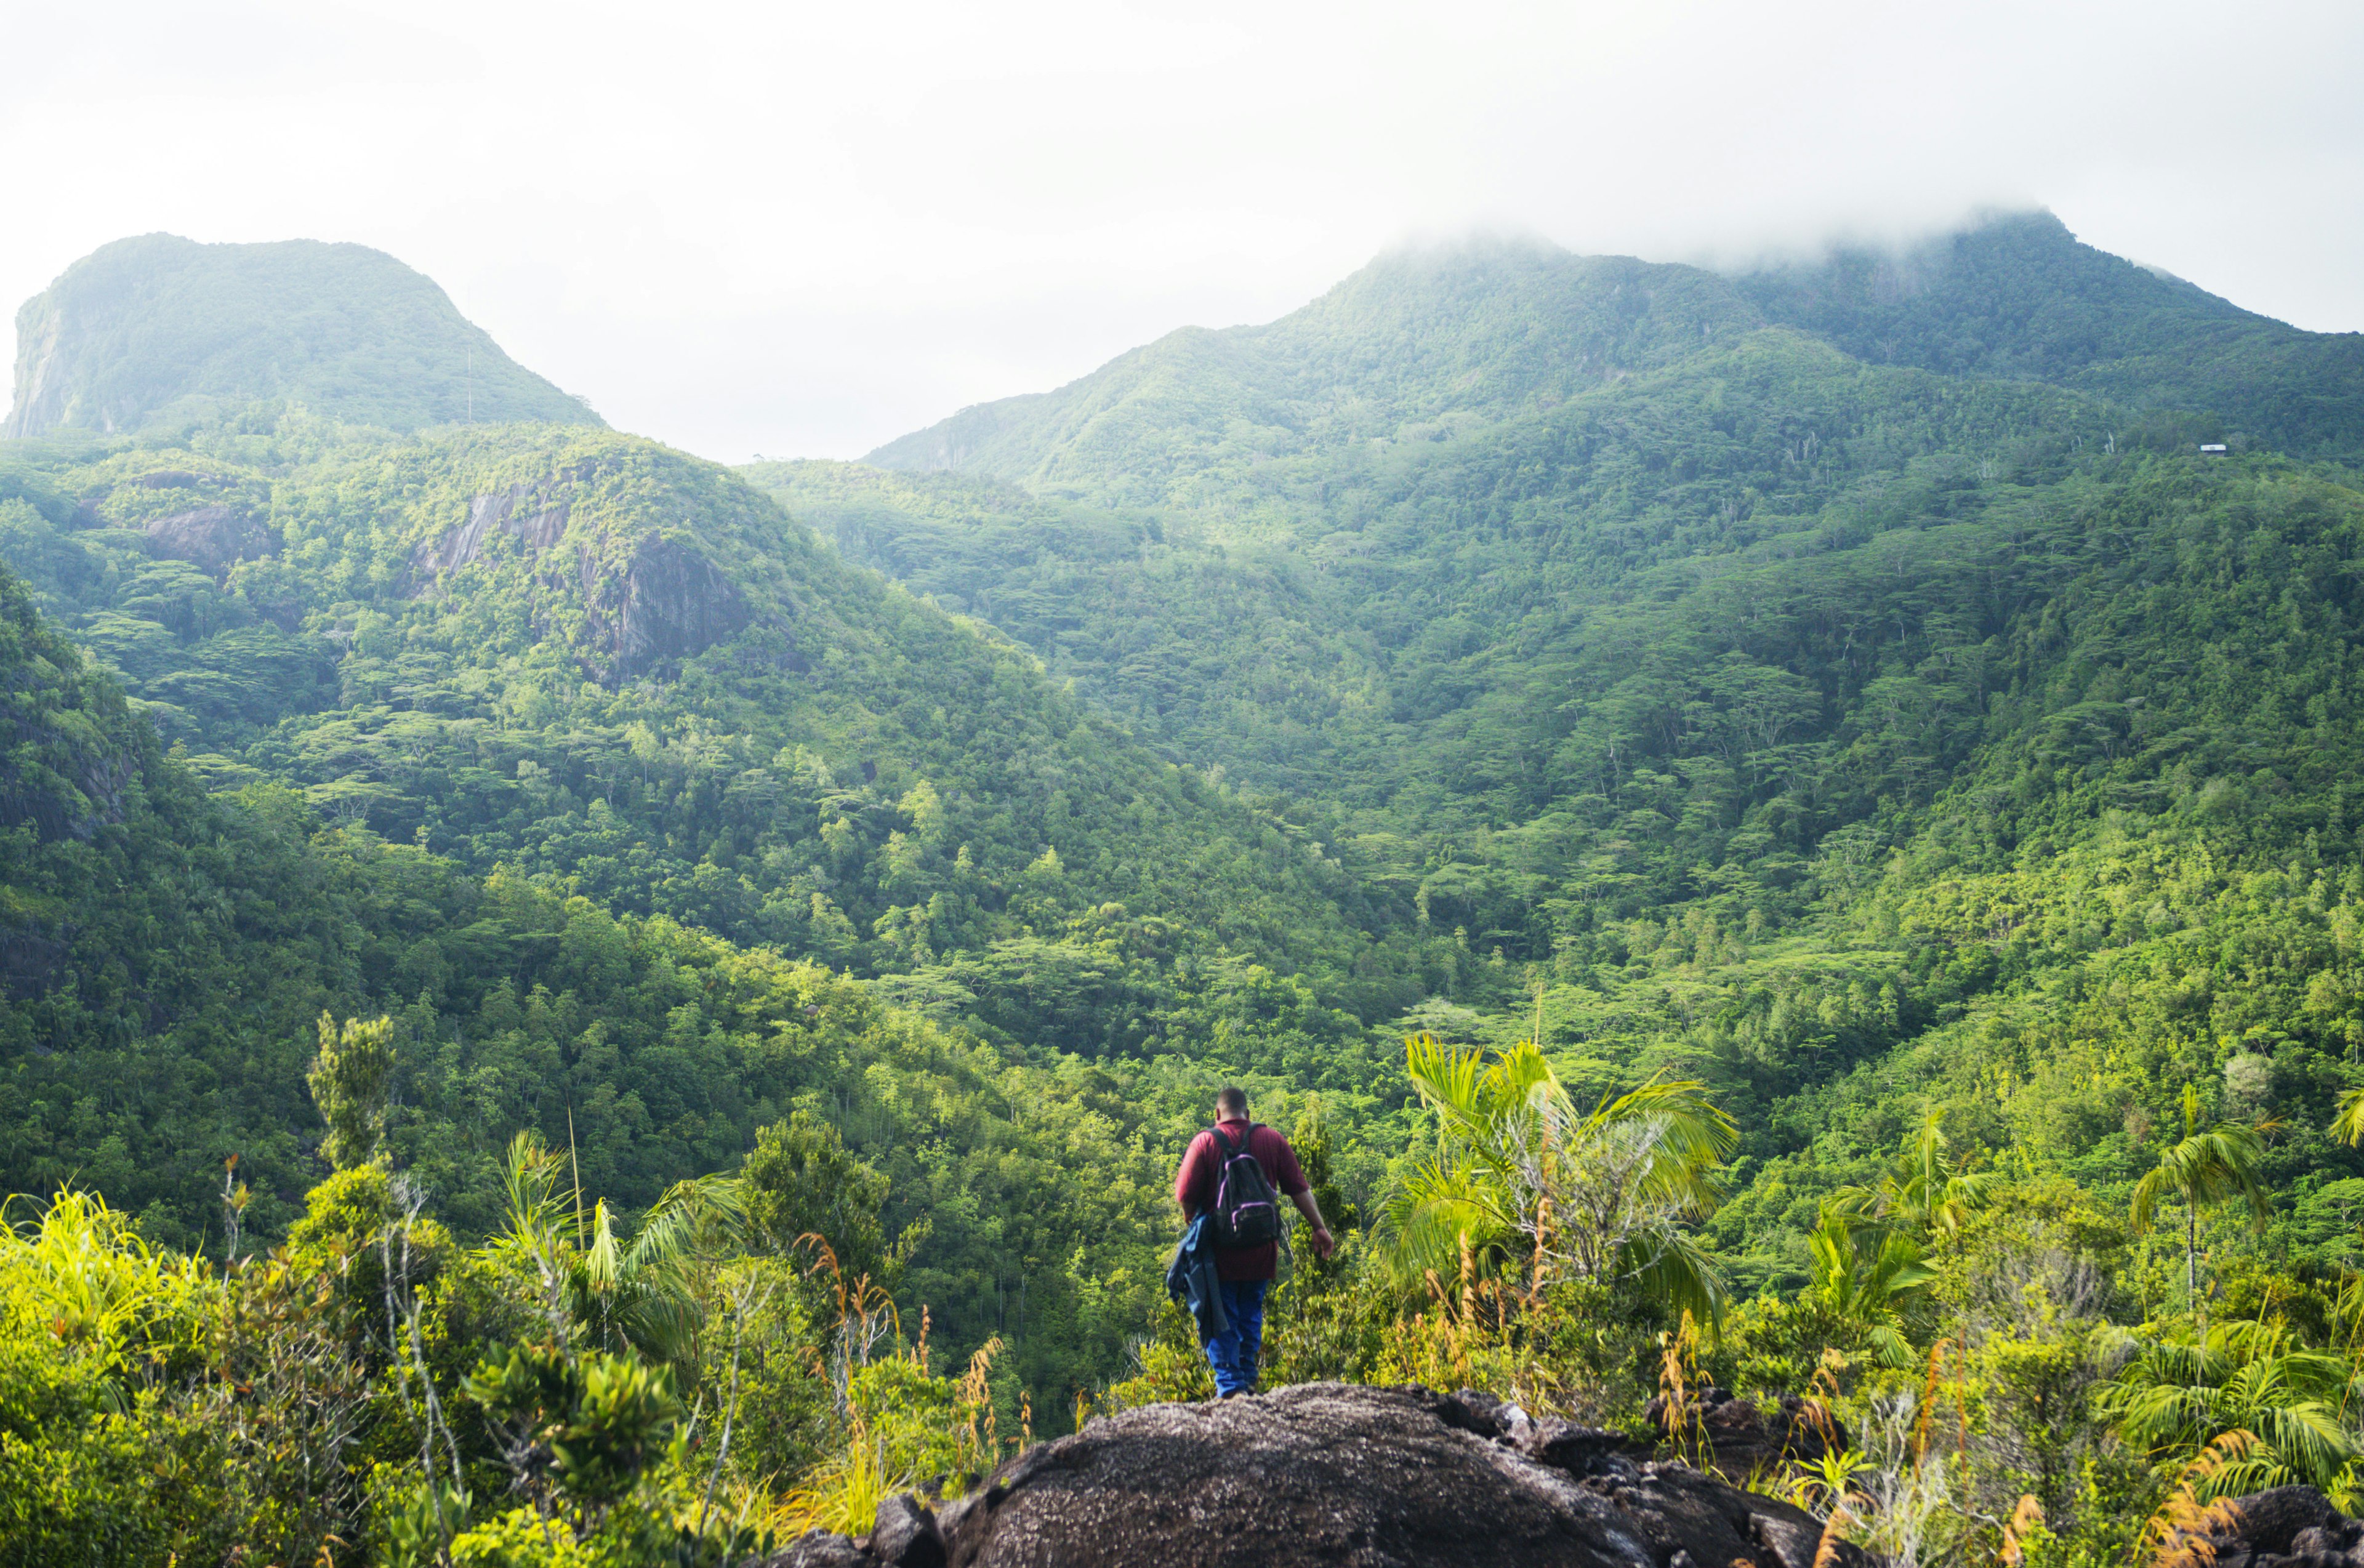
(2019,296)
(1852,737)
(1372,641)
(157,329)
(164,955)
(1419,344)
(578,652)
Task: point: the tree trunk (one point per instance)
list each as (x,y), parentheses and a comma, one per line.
(2191,1269)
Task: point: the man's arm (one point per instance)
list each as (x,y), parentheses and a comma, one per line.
(1323,1242)
(1186,1180)
(1300,1192)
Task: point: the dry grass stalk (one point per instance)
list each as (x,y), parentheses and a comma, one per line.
(2028,1516)
(2181,1534)
(1930,1384)
(1835,1534)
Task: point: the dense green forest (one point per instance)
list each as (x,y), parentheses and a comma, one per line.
(1820,755)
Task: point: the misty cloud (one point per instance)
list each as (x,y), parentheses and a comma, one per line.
(803,230)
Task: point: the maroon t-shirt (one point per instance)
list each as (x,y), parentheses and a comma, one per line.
(1202,1168)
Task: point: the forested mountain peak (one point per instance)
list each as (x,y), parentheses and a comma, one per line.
(2017,295)
(1424,341)
(1428,343)
(156,329)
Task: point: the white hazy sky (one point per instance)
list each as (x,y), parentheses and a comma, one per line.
(800,230)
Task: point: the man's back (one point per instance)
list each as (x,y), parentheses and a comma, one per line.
(1196,1183)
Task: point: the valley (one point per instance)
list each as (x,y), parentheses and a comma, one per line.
(1849,690)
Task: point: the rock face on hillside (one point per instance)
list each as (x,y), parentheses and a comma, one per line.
(1334,1475)
(530,512)
(660,604)
(212,539)
(674,602)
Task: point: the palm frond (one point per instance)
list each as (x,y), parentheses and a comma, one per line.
(1672,1268)
(1433,1207)
(2347,1122)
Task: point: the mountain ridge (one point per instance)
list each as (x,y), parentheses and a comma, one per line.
(1142,428)
(1514,322)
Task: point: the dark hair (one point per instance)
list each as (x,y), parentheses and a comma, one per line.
(1231,1101)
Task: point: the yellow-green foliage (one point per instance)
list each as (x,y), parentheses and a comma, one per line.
(94,1326)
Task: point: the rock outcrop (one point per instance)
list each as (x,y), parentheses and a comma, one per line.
(665,601)
(211,538)
(674,602)
(528,512)
(1332,1474)
(2289,1527)
(1736,1439)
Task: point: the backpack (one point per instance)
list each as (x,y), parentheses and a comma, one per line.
(1247,1211)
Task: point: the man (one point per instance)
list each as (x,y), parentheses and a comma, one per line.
(1243,1272)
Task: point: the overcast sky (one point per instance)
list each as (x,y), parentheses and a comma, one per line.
(800,230)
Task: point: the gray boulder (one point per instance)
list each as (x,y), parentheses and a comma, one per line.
(2289,1527)
(1332,1474)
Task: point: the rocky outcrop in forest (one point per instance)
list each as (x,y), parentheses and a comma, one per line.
(2289,1527)
(1328,1473)
(211,538)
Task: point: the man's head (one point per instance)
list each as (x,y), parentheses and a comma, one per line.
(1231,1105)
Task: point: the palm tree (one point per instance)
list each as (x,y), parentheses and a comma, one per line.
(1602,1195)
(2174,1398)
(2206,1168)
(600,1292)
(1919,1201)
(1861,1273)
(1920,1194)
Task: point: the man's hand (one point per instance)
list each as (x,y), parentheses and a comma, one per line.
(1323,1242)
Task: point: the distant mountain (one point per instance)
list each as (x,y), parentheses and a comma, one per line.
(2019,297)
(1429,344)
(155,328)
(1414,347)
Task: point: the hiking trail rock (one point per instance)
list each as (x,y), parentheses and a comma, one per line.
(1332,1474)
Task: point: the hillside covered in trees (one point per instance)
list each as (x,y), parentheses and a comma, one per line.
(1850,807)
(156,329)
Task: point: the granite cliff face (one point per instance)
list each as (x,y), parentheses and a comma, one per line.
(533,514)
(1332,1474)
(672,602)
(212,539)
(649,602)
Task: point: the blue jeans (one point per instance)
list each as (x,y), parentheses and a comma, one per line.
(1233,1354)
